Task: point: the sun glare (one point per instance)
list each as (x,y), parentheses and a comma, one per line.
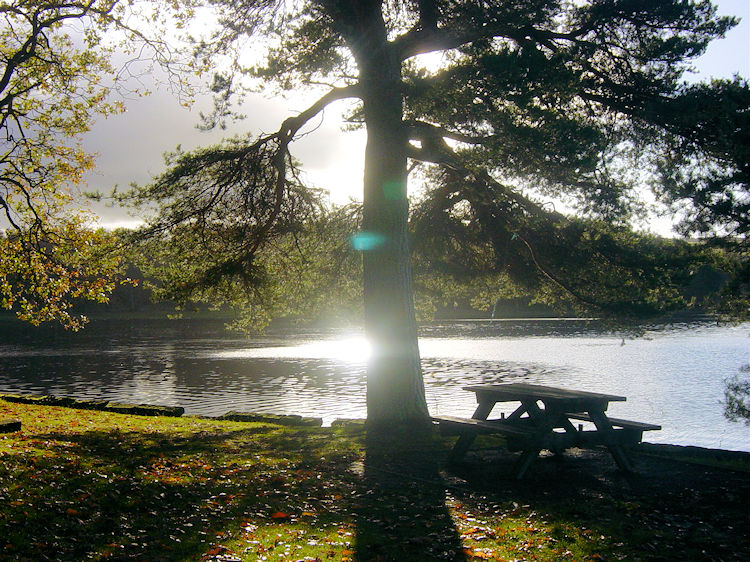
(350,350)
(355,349)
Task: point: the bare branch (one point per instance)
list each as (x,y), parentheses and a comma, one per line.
(292,125)
(421,130)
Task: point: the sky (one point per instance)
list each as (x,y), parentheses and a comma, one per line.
(130,146)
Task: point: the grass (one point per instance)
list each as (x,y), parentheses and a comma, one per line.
(77,485)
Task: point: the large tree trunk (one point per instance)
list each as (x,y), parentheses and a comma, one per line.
(395,389)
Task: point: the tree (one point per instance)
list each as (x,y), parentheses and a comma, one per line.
(535,98)
(737,396)
(49,90)
(55,79)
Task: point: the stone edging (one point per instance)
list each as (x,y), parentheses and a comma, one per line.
(10,426)
(101,405)
(155,409)
(280,419)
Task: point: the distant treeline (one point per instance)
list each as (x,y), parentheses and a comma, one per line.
(139,298)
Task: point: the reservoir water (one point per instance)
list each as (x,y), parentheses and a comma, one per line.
(672,375)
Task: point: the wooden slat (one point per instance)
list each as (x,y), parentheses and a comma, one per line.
(642,426)
(483,426)
(614,438)
(518,391)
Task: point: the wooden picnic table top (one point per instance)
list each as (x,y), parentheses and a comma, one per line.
(523,391)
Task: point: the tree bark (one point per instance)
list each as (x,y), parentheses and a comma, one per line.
(395,388)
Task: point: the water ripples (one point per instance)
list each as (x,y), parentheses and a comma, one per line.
(673,377)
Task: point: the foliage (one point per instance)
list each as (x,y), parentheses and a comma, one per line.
(572,264)
(56,78)
(737,397)
(582,103)
(735,296)
(51,86)
(703,170)
(70,263)
(534,100)
(307,270)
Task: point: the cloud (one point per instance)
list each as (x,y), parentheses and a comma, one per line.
(130,146)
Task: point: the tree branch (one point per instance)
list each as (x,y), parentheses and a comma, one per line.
(420,130)
(419,40)
(434,149)
(292,125)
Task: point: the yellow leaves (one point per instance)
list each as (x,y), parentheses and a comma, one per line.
(477,553)
(40,277)
(50,99)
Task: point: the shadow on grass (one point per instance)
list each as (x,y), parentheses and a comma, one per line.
(292,494)
(401,513)
(157,496)
(580,506)
(278,493)
(263,491)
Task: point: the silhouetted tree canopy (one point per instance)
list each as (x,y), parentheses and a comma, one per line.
(533,101)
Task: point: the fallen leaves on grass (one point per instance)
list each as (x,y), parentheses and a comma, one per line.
(475,553)
(156,488)
(120,487)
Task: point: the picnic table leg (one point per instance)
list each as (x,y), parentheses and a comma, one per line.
(544,422)
(524,462)
(518,413)
(483,410)
(465,440)
(461,447)
(602,424)
(547,420)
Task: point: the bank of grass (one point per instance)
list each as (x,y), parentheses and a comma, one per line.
(78,485)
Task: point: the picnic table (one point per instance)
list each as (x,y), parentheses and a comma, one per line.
(544,420)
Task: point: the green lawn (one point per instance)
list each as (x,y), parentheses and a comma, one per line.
(79,484)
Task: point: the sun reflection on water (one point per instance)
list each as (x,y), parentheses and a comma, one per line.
(355,349)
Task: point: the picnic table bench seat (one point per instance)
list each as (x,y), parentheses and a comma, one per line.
(617,422)
(517,435)
(451,425)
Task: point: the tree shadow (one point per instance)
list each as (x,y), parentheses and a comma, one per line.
(667,509)
(133,494)
(159,496)
(182,494)
(401,511)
